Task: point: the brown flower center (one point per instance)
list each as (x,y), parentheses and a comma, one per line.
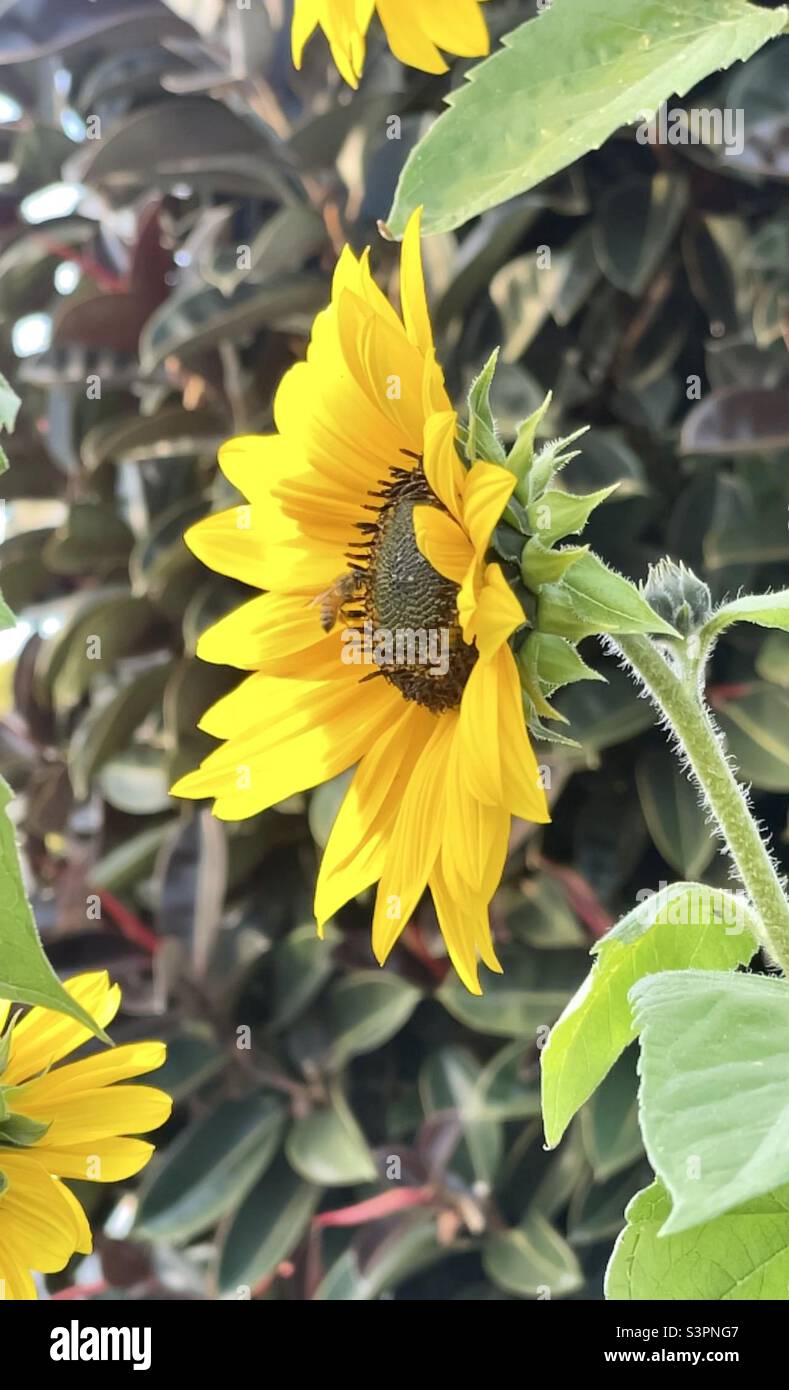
(405,611)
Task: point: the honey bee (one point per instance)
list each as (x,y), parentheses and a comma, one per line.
(339,592)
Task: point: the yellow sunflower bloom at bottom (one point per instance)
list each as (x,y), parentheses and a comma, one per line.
(65,1122)
(415,29)
(371,537)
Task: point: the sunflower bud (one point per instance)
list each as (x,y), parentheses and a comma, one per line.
(678,595)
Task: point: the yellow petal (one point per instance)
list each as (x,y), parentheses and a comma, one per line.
(523,792)
(43,1037)
(488,488)
(442,542)
(497,613)
(98,1160)
(412,286)
(406,37)
(355,854)
(100,1069)
(443,469)
(479,734)
(416,839)
(456,26)
(100,1114)
(314,743)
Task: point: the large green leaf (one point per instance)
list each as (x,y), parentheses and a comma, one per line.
(212,1167)
(673,813)
(449,1084)
(714,1083)
(389,1255)
(532,1259)
(756,725)
(328,1148)
(687,924)
(563,82)
(269,1223)
(528,994)
(739,1256)
(366,1009)
(766,610)
(26,977)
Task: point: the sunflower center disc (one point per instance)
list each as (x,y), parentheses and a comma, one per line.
(424,655)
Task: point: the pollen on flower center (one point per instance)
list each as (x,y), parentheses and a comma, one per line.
(400,593)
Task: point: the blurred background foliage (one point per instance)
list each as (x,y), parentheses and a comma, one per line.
(173,199)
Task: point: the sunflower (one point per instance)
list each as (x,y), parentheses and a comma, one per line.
(65,1122)
(365,528)
(415,30)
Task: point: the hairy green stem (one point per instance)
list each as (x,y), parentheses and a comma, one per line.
(680,700)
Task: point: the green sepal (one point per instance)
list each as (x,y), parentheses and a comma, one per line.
(535,703)
(482,441)
(3,1183)
(521,455)
(507,543)
(593,599)
(551,458)
(554,662)
(541,565)
(539,731)
(20,1132)
(559,514)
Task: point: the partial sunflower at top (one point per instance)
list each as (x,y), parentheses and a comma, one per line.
(415,29)
(363,523)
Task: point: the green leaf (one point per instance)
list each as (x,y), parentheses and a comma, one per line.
(302,965)
(756,725)
(26,977)
(609,1121)
(714,1078)
(766,610)
(483,441)
(686,924)
(521,455)
(554,662)
(267,1226)
(449,1083)
(19,1131)
(772,662)
(561,84)
(743,1255)
(559,514)
(600,718)
(531,1259)
(530,992)
(541,565)
(366,1009)
(392,1252)
(595,599)
(9,405)
(672,811)
(507,1086)
(596,1209)
(109,727)
(328,1148)
(211,1167)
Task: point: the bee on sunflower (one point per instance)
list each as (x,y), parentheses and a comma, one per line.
(61,1122)
(416,31)
(361,516)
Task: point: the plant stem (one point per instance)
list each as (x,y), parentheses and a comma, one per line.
(681,702)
